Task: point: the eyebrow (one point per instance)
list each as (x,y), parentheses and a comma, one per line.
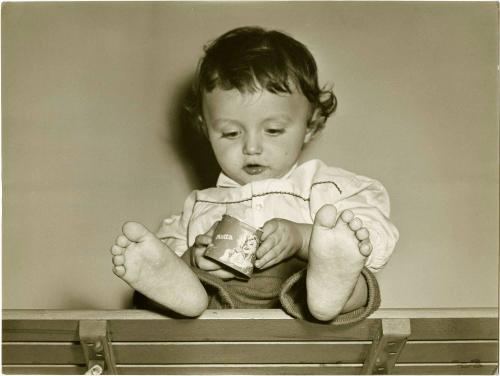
(277,117)
(223,121)
(284,117)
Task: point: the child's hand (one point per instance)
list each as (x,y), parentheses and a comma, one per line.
(198,250)
(281,239)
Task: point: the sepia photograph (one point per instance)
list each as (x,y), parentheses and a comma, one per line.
(250,187)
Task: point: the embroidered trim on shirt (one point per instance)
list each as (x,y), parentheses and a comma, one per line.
(327,182)
(224,202)
(256,195)
(271,193)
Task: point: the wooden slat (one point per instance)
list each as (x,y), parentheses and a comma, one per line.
(39,330)
(445,369)
(189,352)
(242,369)
(435,313)
(235,330)
(236,314)
(449,351)
(201,369)
(454,328)
(61,325)
(42,353)
(43,370)
(240,352)
(290,369)
(188,330)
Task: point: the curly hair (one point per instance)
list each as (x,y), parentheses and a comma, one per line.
(250,59)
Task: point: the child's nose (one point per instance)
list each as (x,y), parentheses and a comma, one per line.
(253,145)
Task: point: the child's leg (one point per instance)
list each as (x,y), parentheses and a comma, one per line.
(337,253)
(150,267)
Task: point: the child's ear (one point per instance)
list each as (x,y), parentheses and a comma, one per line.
(315,124)
(200,123)
(309,133)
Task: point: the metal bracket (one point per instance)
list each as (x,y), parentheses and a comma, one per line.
(387,346)
(96,346)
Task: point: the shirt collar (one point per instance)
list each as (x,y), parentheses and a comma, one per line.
(225,181)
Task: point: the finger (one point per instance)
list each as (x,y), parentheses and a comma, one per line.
(197,257)
(365,247)
(268,228)
(210,232)
(264,264)
(271,256)
(355,224)
(203,240)
(223,274)
(206,264)
(267,264)
(362,233)
(265,247)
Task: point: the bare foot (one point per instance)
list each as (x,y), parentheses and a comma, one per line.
(150,267)
(337,253)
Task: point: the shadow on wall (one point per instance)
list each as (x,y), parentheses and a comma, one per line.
(192,147)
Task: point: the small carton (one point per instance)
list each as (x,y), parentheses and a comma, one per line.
(234,245)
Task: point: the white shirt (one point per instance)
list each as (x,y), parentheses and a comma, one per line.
(296,197)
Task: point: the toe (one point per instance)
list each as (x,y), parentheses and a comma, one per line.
(347,216)
(122,241)
(362,233)
(365,248)
(118,260)
(116,250)
(355,224)
(326,216)
(135,232)
(119,271)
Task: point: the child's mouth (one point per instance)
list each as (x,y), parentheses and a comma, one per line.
(253,169)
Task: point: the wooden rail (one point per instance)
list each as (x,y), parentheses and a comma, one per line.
(416,341)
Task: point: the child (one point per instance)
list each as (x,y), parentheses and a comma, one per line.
(324,229)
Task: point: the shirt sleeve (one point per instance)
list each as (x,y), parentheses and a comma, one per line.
(369,200)
(173,230)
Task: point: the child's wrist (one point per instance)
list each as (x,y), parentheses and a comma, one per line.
(192,258)
(304,231)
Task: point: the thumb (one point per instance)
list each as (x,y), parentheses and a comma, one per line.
(210,232)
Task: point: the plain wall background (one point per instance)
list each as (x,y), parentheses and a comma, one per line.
(91,135)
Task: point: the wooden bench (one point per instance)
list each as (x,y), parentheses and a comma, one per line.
(417,341)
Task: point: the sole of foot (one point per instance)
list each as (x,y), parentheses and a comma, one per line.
(337,252)
(150,267)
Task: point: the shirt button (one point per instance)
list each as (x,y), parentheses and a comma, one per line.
(259,206)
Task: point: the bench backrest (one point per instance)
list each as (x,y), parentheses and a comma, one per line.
(463,341)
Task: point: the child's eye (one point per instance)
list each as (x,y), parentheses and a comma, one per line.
(230,134)
(275,131)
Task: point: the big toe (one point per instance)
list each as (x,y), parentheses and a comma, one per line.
(326,216)
(134,231)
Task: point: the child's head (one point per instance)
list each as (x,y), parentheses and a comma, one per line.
(258,100)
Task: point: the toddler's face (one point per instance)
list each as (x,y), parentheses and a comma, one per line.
(258,135)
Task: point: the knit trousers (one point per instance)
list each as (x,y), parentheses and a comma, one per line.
(281,286)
